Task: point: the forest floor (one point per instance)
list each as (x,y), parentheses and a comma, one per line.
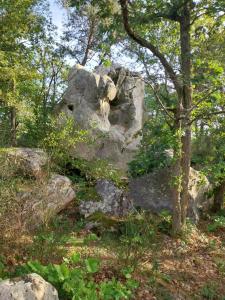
(189,267)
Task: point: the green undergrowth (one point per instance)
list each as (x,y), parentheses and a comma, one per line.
(75,279)
(94,170)
(120,258)
(217,222)
(85,174)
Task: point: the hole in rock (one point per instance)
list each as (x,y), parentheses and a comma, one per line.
(70,107)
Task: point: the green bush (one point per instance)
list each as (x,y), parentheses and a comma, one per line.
(97,169)
(157,138)
(61,138)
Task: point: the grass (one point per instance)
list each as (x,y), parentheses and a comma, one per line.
(189,267)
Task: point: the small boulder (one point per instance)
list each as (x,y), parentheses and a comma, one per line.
(152,192)
(114,201)
(29,287)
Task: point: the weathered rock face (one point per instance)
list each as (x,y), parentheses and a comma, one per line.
(43,202)
(30,287)
(114,201)
(44,195)
(26,161)
(111,103)
(153,192)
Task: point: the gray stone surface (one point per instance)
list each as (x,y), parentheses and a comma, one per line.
(43,202)
(110,102)
(29,287)
(153,192)
(27,161)
(114,201)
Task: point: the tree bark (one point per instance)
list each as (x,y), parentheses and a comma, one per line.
(219,193)
(185,43)
(176,175)
(89,43)
(13,126)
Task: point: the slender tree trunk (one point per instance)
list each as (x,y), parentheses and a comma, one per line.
(89,43)
(176,175)
(13,126)
(219,193)
(187,103)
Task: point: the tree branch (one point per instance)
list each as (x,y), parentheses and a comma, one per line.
(160,102)
(207,116)
(146,44)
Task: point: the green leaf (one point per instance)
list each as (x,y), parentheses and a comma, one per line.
(75,258)
(92,265)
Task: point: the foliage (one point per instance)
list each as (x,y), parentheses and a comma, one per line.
(74,279)
(165,225)
(156,143)
(61,137)
(138,233)
(32,71)
(5,129)
(97,169)
(218,222)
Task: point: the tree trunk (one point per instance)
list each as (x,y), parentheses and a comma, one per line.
(13,126)
(176,175)
(187,103)
(184,92)
(219,193)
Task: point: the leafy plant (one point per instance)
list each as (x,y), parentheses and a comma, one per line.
(165,224)
(97,169)
(74,279)
(218,222)
(153,154)
(61,138)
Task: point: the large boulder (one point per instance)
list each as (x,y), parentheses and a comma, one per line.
(29,287)
(43,202)
(113,201)
(153,192)
(110,103)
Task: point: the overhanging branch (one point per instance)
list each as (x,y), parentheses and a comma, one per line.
(146,44)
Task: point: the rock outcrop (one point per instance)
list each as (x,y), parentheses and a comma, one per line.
(29,287)
(152,192)
(25,161)
(110,103)
(44,202)
(40,195)
(114,201)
